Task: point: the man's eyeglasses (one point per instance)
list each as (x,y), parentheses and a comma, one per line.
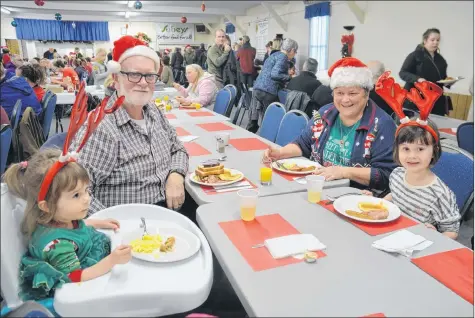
(135,77)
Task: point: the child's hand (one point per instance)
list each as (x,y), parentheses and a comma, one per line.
(109,224)
(430,226)
(121,255)
(367,192)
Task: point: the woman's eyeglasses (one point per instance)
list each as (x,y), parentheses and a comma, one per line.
(135,77)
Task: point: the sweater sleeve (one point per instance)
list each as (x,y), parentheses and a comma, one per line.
(206,92)
(215,58)
(408,69)
(280,71)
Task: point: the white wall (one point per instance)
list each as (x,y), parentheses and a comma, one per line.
(392,30)
(7,31)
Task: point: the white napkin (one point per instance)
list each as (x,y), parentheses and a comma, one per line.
(300,180)
(187,138)
(402,242)
(285,246)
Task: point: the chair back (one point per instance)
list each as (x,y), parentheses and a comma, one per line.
(6,140)
(465,137)
(233,90)
(16,114)
(455,169)
(223,101)
(47,94)
(271,121)
(54,142)
(240,109)
(48,114)
(282,94)
(292,125)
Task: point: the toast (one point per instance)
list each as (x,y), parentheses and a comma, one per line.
(209,171)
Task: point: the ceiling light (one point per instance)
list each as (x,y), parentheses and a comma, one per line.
(5,10)
(127,14)
(130,4)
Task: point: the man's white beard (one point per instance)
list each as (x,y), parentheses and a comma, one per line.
(137,101)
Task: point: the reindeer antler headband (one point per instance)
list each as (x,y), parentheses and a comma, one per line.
(78,117)
(395,96)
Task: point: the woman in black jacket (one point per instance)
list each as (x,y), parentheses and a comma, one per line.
(177,64)
(426,64)
(230,67)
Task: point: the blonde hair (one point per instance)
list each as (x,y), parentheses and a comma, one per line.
(198,70)
(109,80)
(26,182)
(100,50)
(276,44)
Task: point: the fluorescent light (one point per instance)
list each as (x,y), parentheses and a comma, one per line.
(127,14)
(5,10)
(130,4)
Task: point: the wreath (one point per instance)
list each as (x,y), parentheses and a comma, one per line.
(144,37)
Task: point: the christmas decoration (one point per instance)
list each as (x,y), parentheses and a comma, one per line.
(14,24)
(203,7)
(143,37)
(183,19)
(39,3)
(58,16)
(73,25)
(138,5)
(347,40)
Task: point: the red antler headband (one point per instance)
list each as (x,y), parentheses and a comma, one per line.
(78,117)
(394,96)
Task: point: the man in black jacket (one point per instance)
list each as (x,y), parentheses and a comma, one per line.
(307,80)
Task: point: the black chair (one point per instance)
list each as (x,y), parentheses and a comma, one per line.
(16,114)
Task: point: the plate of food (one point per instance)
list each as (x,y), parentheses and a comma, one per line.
(367,209)
(162,245)
(295,166)
(213,173)
(450,80)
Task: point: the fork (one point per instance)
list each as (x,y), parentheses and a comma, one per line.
(332,199)
(144,225)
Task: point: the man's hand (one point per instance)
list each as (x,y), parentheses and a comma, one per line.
(175,191)
(227,48)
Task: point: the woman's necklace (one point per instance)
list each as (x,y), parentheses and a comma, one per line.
(344,138)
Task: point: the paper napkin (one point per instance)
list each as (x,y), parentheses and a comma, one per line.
(402,242)
(285,246)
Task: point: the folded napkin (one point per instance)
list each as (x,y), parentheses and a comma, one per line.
(187,138)
(285,246)
(402,242)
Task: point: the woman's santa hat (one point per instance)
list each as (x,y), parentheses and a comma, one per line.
(348,72)
(128,46)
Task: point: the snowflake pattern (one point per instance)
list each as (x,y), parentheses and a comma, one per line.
(382,138)
(357,143)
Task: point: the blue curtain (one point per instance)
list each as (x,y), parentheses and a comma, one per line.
(230,29)
(52,30)
(317,10)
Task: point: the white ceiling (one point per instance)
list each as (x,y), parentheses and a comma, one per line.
(155,11)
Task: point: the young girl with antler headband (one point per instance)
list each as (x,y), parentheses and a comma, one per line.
(62,247)
(415,189)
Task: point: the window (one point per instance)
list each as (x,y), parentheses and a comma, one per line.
(319,34)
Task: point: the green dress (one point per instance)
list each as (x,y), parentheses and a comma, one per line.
(53,253)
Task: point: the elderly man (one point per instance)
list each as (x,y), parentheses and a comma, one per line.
(134,156)
(307,80)
(377,68)
(246,56)
(217,57)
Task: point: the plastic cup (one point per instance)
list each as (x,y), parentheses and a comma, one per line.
(224,136)
(314,188)
(266,175)
(248,204)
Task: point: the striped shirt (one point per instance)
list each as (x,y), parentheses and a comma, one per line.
(434,203)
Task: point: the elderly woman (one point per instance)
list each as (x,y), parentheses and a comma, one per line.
(273,77)
(202,88)
(352,138)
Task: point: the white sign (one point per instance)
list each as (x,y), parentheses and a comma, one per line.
(262,28)
(175,33)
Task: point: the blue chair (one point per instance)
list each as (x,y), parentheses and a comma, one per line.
(234,92)
(292,125)
(55,141)
(48,112)
(282,94)
(455,169)
(6,141)
(223,101)
(465,137)
(16,114)
(47,94)
(271,121)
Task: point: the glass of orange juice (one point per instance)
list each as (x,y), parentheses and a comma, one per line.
(266,175)
(314,188)
(165,98)
(168,107)
(248,204)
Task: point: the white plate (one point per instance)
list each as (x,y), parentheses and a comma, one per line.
(233,171)
(350,202)
(456,79)
(186,244)
(298,161)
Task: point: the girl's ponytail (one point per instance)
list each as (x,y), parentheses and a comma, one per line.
(14,176)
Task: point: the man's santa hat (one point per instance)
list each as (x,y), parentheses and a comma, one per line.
(128,46)
(348,72)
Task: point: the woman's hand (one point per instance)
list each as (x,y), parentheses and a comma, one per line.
(367,192)
(330,173)
(176,85)
(271,154)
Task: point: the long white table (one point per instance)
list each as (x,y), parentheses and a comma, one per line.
(178,117)
(353,280)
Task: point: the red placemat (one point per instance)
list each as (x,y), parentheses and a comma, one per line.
(195,149)
(199,114)
(454,269)
(247,144)
(215,126)
(170,116)
(244,235)
(379,314)
(187,109)
(288,176)
(180,132)
(448,131)
(375,228)
(210,190)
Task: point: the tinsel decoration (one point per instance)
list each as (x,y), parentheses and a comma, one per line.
(203,6)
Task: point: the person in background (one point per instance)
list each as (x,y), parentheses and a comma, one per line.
(10,68)
(160,70)
(80,68)
(49,54)
(109,86)
(268,50)
(34,77)
(14,89)
(88,66)
(230,71)
(377,68)
(200,56)
(276,45)
(217,57)
(177,62)
(46,66)
(273,77)
(78,53)
(426,64)
(6,56)
(307,80)
(202,88)
(246,56)
(99,68)
(189,55)
(109,56)
(291,69)
(236,47)
(167,72)
(67,72)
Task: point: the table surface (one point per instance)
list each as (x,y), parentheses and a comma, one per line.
(353,280)
(183,117)
(248,162)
